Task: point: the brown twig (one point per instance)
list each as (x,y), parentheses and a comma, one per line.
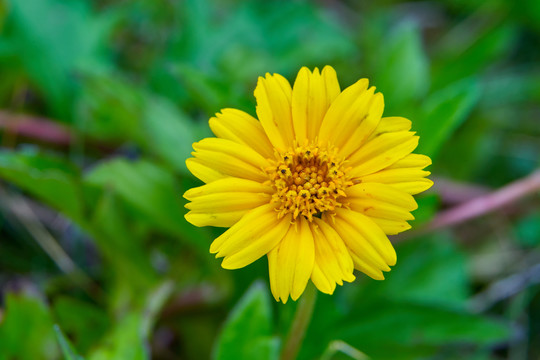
(482,205)
(453,192)
(35,127)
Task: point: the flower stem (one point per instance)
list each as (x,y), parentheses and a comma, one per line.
(300,323)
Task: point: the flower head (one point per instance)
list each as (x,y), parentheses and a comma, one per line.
(316,183)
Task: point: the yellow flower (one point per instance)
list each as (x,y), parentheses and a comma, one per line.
(316,183)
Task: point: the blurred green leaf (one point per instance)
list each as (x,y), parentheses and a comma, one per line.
(168,132)
(216,40)
(419,307)
(396,330)
(401,67)
(471,149)
(109,107)
(151,190)
(120,242)
(511,89)
(143,185)
(528,229)
(129,338)
(47,177)
(247,333)
(51,51)
(124,342)
(443,112)
(83,322)
(428,271)
(428,204)
(65,345)
(26,332)
(115,110)
(155,301)
(202,87)
(485,47)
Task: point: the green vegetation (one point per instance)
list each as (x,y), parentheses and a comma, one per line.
(100,102)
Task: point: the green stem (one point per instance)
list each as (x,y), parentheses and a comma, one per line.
(300,323)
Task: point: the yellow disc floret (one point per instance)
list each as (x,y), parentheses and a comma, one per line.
(308,181)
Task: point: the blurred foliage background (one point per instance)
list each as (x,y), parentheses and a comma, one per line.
(101,100)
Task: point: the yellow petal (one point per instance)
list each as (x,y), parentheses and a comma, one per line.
(273,269)
(381,192)
(331,83)
(368,236)
(312,95)
(382,152)
(393,176)
(345,113)
(228,201)
(357,244)
(414,187)
(333,263)
(264,216)
(243,128)
(258,232)
(241,151)
(301,103)
(391,227)
(291,262)
(257,247)
(202,171)
(359,135)
(366,268)
(380,209)
(412,161)
(273,94)
(385,205)
(222,219)
(391,124)
(228,184)
(231,158)
(405,174)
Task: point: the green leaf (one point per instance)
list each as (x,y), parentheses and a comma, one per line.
(401,66)
(513,88)
(527,229)
(154,303)
(168,132)
(151,190)
(382,327)
(47,177)
(418,309)
(443,112)
(110,107)
(85,323)
(116,110)
(51,51)
(431,271)
(129,337)
(65,345)
(247,333)
(124,342)
(26,332)
(203,87)
(122,246)
(462,59)
(143,185)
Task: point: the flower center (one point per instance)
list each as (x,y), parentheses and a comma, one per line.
(308,181)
